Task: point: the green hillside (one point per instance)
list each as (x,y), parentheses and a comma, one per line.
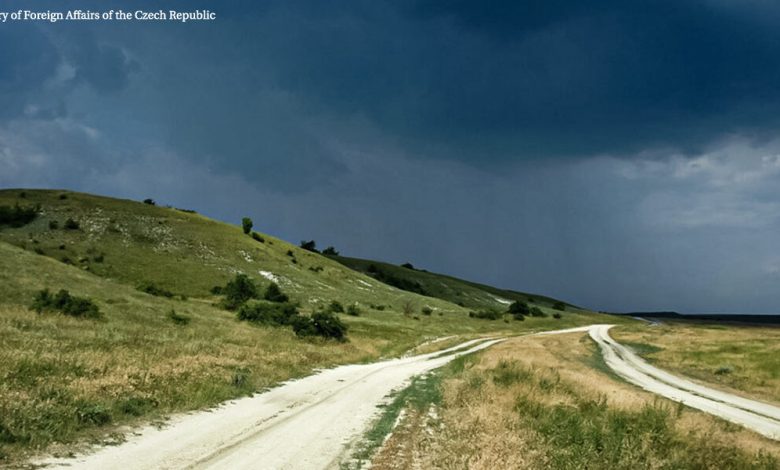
(457,291)
(64,379)
(184,252)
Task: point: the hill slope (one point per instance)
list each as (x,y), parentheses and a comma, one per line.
(185,252)
(458,291)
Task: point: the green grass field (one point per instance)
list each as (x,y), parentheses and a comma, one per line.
(743,358)
(65,380)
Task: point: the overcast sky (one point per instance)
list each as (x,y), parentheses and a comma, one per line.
(621,155)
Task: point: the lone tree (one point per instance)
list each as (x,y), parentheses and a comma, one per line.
(310,245)
(247,224)
(330,251)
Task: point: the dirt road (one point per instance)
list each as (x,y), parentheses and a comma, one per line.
(307,423)
(760,417)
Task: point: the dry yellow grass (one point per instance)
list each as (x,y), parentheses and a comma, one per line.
(483,420)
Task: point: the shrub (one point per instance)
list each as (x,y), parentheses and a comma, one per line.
(63,302)
(71,224)
(62,197)
(724,370)
(136,406)
(537,312)
(557,316)
(486,314)
(519,317)
(335,307)
(152,289)
(316,269)
(559,306)
(241,377)
(18,216)
(274,294)
(257,237)
(177,318)
(272,314)
(322,324)
(353,310)
(150,202)
(310,245)
(518,308)
(290,253)
(246,225)
(330,251)
(427,310)
(92,414)
(238,291)
(407,266)
(54,225)
(216,290)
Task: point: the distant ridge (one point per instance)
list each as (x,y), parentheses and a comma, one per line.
(764,319)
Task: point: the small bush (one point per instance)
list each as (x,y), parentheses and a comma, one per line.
(724,370)
(537,312)
(62,197)
(178,319)
(316,269)
(335,307)
(63,302)
(257,237)
(272,314)
(238,291)
(92,414)
(152,289)
(290,253)
(486,314)
(353,310)
(246,225)
(557,316)
(136,406)
(427,310)
(330,251)
(322,324)
(559,306)
(518,307)
(519,317)
(54,225)
(71,224)
(241,377)
(407,266)
(274,294)
(18,216)
(99,258)
(310,245)
(381,308)
(150,201)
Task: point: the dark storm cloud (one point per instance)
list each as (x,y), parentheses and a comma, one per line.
(27,60)
(622,155)
(547,78)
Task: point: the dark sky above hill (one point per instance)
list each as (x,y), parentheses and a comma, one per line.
(622,155)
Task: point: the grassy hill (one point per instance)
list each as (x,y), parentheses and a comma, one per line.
(184,252)
(65,379)
(457,291)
